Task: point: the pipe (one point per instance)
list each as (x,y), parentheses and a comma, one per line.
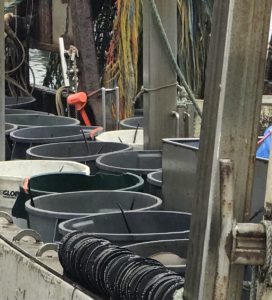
(63,62)
(176,115)
(103,91)
(117,99)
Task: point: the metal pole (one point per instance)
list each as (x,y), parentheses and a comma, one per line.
(2,85)
(117,99)
(233,94)
(158,73)
(104,120)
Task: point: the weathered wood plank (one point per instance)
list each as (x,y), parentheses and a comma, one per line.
(233,91)
(42,27)
(83,33)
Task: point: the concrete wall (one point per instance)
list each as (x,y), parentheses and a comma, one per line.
(22,278)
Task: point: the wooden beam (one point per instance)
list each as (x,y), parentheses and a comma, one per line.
(83,33)
(233,93)
(2,84)
(42,27)
(158,72)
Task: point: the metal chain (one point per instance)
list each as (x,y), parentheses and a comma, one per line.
(171,55)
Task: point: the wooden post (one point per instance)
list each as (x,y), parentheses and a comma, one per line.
(157,72)
(42,27)
(233,92)
(2,84)
(84,40)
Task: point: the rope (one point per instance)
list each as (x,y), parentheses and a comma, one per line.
(59,105)
(146,90)
(171,55)
(263,275)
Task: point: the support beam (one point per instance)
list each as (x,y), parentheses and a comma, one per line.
(2,84)
(157,72)
(42,27)
(233,92)
(83,32)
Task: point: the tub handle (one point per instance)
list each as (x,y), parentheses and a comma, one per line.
(6,216)
(47,247)
(175,114)
(27,232)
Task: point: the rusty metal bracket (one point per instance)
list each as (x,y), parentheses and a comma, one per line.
(249,244)
(27,232)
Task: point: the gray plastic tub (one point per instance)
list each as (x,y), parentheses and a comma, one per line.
(72,182)
(20,102)
(132,123)
(76,151)
(144,226)
(34,136)
(8,144)
(155,183)
(180,158)
(25,120)
(137,162)
(17,111)
(162,250)
(52,209)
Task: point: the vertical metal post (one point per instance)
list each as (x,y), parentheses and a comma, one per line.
(233,93)
(117,99)
(158,72)
(226,205)
(104,119)
(2,84)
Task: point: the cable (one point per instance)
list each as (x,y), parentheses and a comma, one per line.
(59,105)
(13,36)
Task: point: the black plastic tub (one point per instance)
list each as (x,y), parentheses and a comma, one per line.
(172,253)
(132,227)
(49,210)
(20,102)
(25,120)
(8,144)
(17,111)
(137,162)
(73,182)
(132,123)
(33,136)
(155,183)
(76,151)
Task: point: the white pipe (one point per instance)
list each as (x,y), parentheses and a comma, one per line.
(63,62)
(103,91)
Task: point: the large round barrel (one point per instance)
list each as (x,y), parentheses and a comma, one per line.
(132,227)
(85,152)
(48,211)
(25,120)
(29,137)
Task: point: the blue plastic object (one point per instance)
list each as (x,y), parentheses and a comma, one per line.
(264,149)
